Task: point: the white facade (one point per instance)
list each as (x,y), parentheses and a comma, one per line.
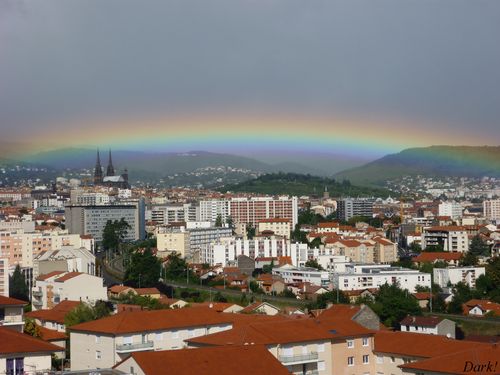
(451,238)
(491,209)
(364,276)
(454,275)
(292,275)
(49,291)
(228,249)
(210,209)
(68,258)
(452,209)
(4,277)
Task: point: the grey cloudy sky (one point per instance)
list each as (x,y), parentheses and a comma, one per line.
(434,61)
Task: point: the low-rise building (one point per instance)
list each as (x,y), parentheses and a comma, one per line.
(12,313)
(24,354)
(57,286)
(480,307)
(105,342)
(365,276)
(294,275)
(279,227)
(429,325)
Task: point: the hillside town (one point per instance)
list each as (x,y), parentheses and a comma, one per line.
(108,278)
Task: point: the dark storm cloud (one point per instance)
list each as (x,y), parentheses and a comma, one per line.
(425,60)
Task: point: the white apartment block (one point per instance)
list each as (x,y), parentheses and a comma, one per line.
(211,209)
(13,225)
(364,276)
(452,238)
(227,250)
(491,209)
(454,275)
(452,209)
(188,242)
(57,286)
(68,259)
(105,342)
(293,275)
(163,215)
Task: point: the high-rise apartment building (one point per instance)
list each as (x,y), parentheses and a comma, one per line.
(491,209)
(350,207)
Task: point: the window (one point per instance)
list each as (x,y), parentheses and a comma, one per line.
(365,341)
(350,343)
(97,354)
(350,361)
(127,340)
(321,348)
(393,359)
(97,339)
(366,359)
(321,366)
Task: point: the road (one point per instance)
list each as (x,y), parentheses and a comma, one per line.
(109,279)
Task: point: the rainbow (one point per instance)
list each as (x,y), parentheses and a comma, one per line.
(241,134)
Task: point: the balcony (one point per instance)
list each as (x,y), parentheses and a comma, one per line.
(127,348)
(12,320)
(37,293)
(300,358)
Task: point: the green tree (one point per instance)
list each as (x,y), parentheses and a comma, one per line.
(313,263)
(17,285)
(143,271)
(219,297)
(250,231)
(114,234)
(461,294)
(322,300)
(31,328)
(478,247)
(392,304)
(268,268)
(298,235)
(230,222)
(469,259)
(85,313)
(315,243)
(218,221)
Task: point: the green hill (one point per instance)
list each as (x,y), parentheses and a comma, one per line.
(459,161)
(299,184)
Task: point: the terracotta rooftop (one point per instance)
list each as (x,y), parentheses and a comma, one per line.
(14,342)
(417,345)
(56,314)
(143,321)
(434,256)
(146,291)
(49,275)
(423,321)
(457,363)
(8,301)
(68,276)
(51,334)
(241,360)
(484,304)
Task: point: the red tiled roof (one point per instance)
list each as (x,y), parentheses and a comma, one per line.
(457,363)
(68,276)
(146,291)
(49,275)
(421,296)
(56,314)
(423,321)
(8,301)
(417,345)
(222,360)
(51,334)
(434,256)
(484,304)
(14,342)
(141,321)
(117,289)
(446,228)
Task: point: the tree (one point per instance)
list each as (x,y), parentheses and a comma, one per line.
(268,268)
(478,247)
(392,304)
(114,233)
(313,263)
(461,294)
(250,231)
(315,244)
(230,222)
(143,271)
(469,259)
(17,285)
(219,297)
(85,313)
(322,300)
(218,221)
(31,328)
(298,235)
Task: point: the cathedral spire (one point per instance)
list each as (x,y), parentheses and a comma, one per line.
(98,170)
(111,170)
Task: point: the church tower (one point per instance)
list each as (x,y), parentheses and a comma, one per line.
(98,170)
(111,170)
